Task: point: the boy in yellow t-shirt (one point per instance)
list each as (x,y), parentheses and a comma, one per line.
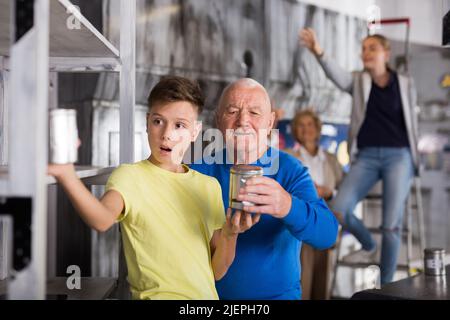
(176,237)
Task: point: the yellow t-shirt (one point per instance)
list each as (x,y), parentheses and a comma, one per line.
(167,224)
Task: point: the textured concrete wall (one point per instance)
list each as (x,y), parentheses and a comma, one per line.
(295,79)
(208,40)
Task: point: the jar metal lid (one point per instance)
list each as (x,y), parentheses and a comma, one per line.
(434,250)
(246,169)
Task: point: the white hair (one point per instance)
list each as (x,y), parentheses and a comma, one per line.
(243,83)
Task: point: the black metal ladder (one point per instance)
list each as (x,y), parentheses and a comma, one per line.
(413,202)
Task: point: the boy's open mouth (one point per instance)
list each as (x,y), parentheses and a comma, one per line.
(166,149)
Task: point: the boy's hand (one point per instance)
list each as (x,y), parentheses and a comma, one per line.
(61,171)
(240,222)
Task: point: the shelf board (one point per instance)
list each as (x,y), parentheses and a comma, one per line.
(89,64)
(65,41)
(88,174)
(92,288)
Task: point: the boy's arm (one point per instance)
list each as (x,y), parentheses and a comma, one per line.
(223,241)
(98,214)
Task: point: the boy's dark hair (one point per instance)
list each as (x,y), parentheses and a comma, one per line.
(173,89)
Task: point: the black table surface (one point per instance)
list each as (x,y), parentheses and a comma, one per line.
(418,287)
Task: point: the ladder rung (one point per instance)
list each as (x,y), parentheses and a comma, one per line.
(405,231)
(373,197)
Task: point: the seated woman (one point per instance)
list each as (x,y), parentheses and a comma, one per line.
(326,172)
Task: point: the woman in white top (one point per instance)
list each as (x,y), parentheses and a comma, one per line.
(326,172)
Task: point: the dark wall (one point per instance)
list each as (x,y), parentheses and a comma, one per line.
(76,91)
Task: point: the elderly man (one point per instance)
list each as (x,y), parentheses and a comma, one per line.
(267,264)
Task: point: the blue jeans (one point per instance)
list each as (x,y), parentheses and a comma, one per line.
(394,166)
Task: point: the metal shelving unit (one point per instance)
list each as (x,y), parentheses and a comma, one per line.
(61,39)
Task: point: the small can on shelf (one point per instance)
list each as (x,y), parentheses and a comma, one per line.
(63,136)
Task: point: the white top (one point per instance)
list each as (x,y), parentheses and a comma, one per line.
(315,164)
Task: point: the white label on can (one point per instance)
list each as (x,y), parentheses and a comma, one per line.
(434,263)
